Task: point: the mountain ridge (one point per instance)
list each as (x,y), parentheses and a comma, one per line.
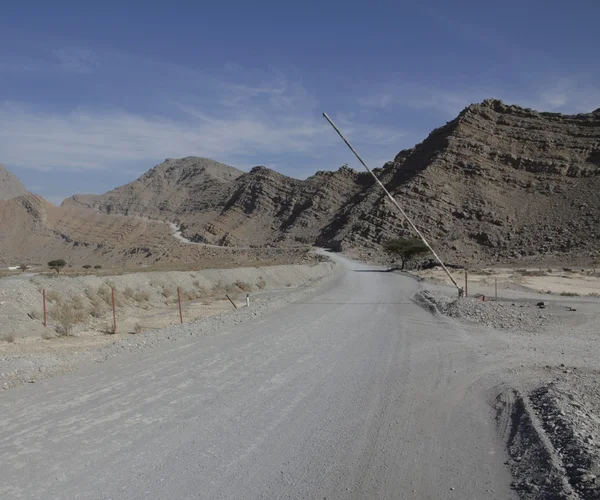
(498,183)
(10,185)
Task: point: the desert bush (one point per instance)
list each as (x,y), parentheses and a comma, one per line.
(95,311)
(8,337)
(261,283)
(96,302)
(47,335)
(531,272)
(138,328)
(569,294)
(86,266)
(35,314)
(141,296)
(219,288)
(108,329)
(594,294)
(189,295)
(196,283)
(77,302)
(53,296)
(167,292)
(105,293)
(67,317)
(97,266)
(243,286)
(231,289)
(128,293)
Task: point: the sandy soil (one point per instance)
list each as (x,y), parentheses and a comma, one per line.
(584,282)
(145,303)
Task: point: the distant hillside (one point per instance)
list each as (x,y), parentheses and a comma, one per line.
(498,183)
(10,186)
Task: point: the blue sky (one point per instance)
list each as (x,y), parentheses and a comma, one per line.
(93,95)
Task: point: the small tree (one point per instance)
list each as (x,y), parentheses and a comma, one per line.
(57,265)
(23,267)
(405,249)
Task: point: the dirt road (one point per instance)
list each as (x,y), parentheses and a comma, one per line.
(355,392)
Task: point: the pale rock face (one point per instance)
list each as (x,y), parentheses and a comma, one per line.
(10,186)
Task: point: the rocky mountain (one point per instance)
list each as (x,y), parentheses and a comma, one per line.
(10,186)
(217,204)
(498,183)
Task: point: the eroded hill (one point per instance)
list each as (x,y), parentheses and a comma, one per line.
(498,183)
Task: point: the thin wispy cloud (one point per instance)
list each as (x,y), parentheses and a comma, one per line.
(74,60)
(235,116)
(560,94)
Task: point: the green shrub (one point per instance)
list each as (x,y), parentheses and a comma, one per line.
(57,265)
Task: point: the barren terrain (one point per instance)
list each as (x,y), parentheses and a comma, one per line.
(358,384)
(79,316)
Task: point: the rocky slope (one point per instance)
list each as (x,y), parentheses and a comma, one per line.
(10,186)
(498,183)
(217,204)
(33,231)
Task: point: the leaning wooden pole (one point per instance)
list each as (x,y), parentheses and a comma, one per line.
(393,200)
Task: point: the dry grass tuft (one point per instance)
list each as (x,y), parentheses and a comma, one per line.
(105,293)
(244,286)
(35,314)
(128,293)
(142,296)
(77,302)
(138,328)
(53,296)
(261,285)
(47,335)
(219,288)
(67,317)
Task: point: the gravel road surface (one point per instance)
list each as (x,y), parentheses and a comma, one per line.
(352,392)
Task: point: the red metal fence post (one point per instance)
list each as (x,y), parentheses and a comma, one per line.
(179,301)
(114,312)
(44,301)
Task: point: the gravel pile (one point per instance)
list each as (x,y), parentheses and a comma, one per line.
(500,315)
(571,420)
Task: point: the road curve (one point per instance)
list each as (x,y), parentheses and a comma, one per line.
(353,393)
